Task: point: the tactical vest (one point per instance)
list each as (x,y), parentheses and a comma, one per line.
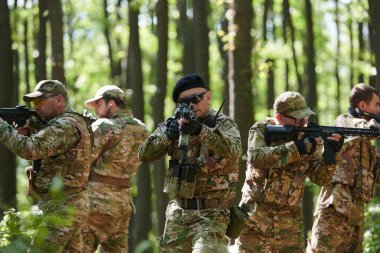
(72,166)
(204,174)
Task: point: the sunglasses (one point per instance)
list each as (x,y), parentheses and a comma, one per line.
(40,101)
(194,99)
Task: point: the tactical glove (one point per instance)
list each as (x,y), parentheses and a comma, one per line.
(305,145)
(193,127)
(331,148)
(172,130)
(335,146)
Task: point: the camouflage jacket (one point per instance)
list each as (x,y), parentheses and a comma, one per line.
(354,179)
(120,161)
(215,153)
(276,172)
(64,147)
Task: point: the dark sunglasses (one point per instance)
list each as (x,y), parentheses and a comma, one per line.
(194,99)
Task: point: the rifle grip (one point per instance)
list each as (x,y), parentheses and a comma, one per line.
(329,155)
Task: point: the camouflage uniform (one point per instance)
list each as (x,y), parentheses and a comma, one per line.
(275,181)
(339,215)
(109,183)
(196,220)
(64,148)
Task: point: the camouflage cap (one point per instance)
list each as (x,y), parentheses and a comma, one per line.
(107,91)
(292,104)
(46,86)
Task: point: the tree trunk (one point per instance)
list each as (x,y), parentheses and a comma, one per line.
(106,32)
(351,36)
(268,15)
(7,159)
(56,28)
(40,60)
(26,49)
(284,35)
(159,105)
(201,42)
(337,57)
(289,25)
(16,56)
(374,10)
(141,223)
(241,76)
(222,46)
(361,50)
(311,99)
(185,31)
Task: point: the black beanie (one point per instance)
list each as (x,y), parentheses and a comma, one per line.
(186,83)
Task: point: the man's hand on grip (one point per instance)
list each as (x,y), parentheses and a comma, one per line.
(193,127)
(172,130)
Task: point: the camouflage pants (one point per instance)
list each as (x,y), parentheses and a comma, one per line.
(195,230)
(108,222)
(272,229)
(62,220)
(333,233)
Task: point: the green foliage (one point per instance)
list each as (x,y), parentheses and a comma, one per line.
(372,227)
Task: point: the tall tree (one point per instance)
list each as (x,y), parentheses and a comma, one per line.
(16,56)
(141,222)
(201,42)
(40,60)
(351,36)
(26,48)
(268,18)
(7,159)
(361,50)
(311,98)
(290,30)
(159,105)
(56,27)
(185,30)
(374,10)
(284,35)
(106,32)
(337,56)
(242,73)
(222,46)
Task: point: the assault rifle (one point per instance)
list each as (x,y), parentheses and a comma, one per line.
(19,115)
(184,112)
(275,133)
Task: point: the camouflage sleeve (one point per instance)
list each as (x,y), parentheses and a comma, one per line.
(262,156)
(320,173)
(155,147)
(223,139)
(103,133)
(58,137)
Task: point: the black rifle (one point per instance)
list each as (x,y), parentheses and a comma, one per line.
(184,112)
(18,115)
(275,133)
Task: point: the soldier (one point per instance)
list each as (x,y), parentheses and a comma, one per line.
(117,136)
(275,179)
(339,214)
(63,147)
(204,151)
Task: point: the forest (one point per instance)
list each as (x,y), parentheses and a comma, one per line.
(247,51)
